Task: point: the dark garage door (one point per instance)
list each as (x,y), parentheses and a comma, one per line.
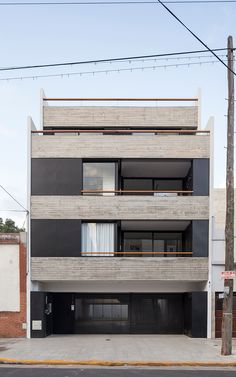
(129,313)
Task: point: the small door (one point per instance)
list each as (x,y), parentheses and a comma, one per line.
(219,315)
(48,314)
(63,313)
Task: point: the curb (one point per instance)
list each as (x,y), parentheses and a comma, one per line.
(121,363)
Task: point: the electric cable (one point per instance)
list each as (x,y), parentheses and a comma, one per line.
(8,193)
(195,36)
(106,71)
(109,60)
(40,3)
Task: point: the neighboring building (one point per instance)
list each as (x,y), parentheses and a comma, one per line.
(218,261)
(12,285)
(120,219)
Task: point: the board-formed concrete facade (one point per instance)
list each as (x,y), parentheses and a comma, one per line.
(125,269)
(147,223)
(117,116)
(120,208)
(103,146)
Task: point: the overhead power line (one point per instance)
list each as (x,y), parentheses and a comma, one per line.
(195,36)
(11,196)
(116,2)
(109,60)
(106,71)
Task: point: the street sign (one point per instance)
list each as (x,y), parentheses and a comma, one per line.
(228,275)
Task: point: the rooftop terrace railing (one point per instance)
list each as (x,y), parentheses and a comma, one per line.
(124,99)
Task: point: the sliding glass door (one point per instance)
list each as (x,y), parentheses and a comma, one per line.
(156,244)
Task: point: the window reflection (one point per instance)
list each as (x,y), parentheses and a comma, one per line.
(100,310)
(99,176)
(160,243)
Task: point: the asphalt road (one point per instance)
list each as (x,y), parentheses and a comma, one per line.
(111,372)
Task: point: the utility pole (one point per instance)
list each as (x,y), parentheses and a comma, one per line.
(227,321)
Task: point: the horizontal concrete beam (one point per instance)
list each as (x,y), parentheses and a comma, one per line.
(120,146)
(94,116)
(120,207)
(112,268)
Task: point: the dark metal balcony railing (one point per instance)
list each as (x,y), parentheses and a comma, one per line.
(113,131)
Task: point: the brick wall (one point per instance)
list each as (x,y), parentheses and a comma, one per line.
(11,322)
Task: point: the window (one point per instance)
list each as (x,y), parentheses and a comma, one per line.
(98,239)
(99,176)
(137,184)
(162,184)
(167,243)
(139,242)
(145,243)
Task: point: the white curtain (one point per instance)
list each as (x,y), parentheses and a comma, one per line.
(97,239)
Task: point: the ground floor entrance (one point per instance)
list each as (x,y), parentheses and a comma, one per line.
(119,313)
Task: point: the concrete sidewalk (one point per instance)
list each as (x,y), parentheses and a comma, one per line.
(170,349)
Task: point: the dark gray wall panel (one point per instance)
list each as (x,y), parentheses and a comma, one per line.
(200,234)
(187,239)
(188,314)
(199,314)
(56,176)
(201,176)
(55,238)
(37,307)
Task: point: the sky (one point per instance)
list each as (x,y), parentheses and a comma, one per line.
(31,35)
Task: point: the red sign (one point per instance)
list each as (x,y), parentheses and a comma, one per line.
(228,274)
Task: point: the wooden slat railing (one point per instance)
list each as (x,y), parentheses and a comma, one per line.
(124,99)
(188,192)
(88,253)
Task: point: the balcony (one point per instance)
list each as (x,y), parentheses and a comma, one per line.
(119,251)
(120,177)
(142,239)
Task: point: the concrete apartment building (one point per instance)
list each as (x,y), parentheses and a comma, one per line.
(13,265)
(119,198)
